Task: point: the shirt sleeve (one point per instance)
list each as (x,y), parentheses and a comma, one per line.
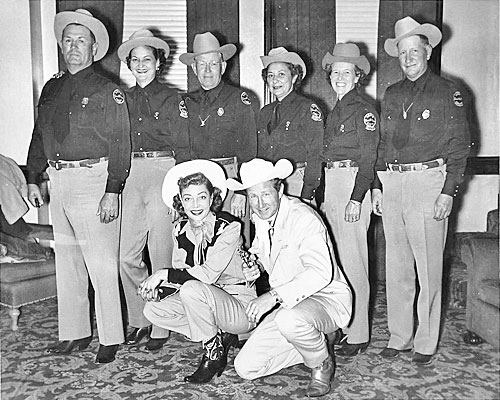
(248,125)
(313,130)
(180,130)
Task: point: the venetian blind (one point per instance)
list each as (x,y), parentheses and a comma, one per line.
(357,22)
(167,19)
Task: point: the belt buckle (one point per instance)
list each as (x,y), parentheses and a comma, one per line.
(58,165)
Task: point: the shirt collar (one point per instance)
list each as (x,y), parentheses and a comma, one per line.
(419,83)
(83,74)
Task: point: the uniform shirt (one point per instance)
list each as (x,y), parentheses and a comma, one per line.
(154,120)
(297,137)
(352,133)
(437,127)
(221,123)
(98,126)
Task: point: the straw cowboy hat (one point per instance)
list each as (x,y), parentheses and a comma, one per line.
(142,37)
(85,18)
(204,43)
(213,171)
(280,54)
(409,27)
(258,170)
(346,52)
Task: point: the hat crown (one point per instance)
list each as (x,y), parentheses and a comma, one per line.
(141,33)
(405,25)
(277,51)
(346,50)
(204,42)
(84,11)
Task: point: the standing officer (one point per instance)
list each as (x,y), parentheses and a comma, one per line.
(421,160)
(221,118)
(83,133)
(157,144)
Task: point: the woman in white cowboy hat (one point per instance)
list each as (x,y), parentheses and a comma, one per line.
(292,126)
(349,153)
(156,146)
(206,267)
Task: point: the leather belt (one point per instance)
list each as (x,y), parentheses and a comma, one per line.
(415,166)
(76,164)
(225,160)
(302,164)
(341,164)
(153,154)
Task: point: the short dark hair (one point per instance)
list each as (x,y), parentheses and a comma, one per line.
(159,54)
(198,179)
(295,69)
(357,71)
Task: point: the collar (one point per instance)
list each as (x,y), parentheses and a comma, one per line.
(151,88)
(419,83)
(290,97)
(81,75)
(348,98)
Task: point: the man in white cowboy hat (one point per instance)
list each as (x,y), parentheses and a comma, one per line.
(421,160)
(83,134)
(158,143)
(309,296)
(221,117)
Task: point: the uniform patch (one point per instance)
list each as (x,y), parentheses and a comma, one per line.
(245,99)
(118,96)
(316,113)
(457,99)
(183,112)
(370,121)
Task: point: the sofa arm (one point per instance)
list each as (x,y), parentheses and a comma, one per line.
(480,254)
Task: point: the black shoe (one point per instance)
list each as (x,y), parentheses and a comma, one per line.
(137,335)
(214,359)
(472,338)
(389,352)
(421,359)
(154,344)
(106,354)
(67,346)
(350,350)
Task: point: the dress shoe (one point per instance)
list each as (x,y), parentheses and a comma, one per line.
(67,346)
(106,354)
(421,359)
(154,344)
(389,352)
(321,378)
(350,350)
(137,335)
(472,338)
(213,362)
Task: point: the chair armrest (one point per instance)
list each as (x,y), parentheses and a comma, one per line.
(480,254)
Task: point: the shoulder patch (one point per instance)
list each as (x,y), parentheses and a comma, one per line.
(58,75)
(183,112)
(316,114)
(118,96)
(245,99)
(458,99)
(370,121)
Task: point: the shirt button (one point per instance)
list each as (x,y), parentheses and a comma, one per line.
(140,119)
(70,113)
(297,299)
(57,154)
(138,133)
(140,149)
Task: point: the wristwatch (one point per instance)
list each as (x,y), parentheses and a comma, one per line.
(275,294)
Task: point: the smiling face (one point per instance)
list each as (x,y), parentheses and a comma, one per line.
(78,47)
(413,56)
(143,65)
(343,78)
(279,79)
(264,199)
(196,201)
(209,69)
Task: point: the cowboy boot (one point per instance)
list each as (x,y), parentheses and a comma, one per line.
(321,378)
(213,362)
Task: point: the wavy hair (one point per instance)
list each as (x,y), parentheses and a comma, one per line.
(198,179)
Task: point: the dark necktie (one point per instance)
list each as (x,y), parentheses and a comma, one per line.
(402,134)
(275,118)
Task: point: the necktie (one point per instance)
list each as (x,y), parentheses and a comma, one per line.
(61,114)
(270,234)
(275,118)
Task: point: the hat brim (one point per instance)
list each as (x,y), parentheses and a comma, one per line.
(227,51)
(214,173)
(64,18)
(282,169)
(430,31)
(289,57)
(126,47)
(361,61)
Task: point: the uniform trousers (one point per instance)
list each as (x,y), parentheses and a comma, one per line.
(199,310)
(287,337)
(352,245)
(295,182)
(413,236)
(85,247)
(145,219)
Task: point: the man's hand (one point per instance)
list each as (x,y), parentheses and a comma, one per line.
(259,306)
(108,208)
(238,205)
(442,207)
(147,288)
(34,195)
(377,202)
(352,211)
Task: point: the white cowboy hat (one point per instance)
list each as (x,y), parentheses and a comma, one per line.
(280,54)
(213,171)
(407,27)
(142,37)
(346,52)
(204,43)
(85,18)
(258,170)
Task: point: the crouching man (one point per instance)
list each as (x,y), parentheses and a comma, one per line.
(309,296)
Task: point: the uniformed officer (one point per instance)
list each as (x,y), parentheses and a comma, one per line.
(292,126)
(221,117)
(349,153)
(421,160)
(82,132)
(158,142)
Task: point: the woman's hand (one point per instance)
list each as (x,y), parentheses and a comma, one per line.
(259,306)
(352,211)
(148,288)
